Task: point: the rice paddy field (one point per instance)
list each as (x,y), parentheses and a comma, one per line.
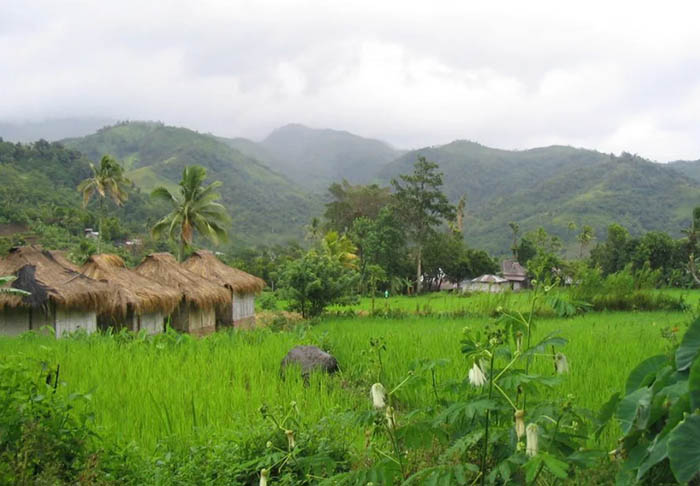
(143,391)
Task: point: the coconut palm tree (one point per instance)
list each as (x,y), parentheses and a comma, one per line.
(107,181)
(194,207)
(9,290)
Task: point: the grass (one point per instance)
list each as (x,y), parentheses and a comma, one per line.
(144,390)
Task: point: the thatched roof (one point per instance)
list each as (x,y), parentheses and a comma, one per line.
(40,274)
(205,264)
(164,269)
(134,291)
(62,259)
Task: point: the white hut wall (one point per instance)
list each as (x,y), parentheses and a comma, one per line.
(202,321)
(243,308)
(70,320)
(151,322)
(194,320)
(14,321)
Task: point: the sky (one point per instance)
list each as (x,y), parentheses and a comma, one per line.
(610,76)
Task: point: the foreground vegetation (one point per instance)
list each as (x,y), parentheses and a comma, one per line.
(188,411)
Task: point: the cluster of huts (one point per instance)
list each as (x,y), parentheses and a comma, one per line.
(196,296)
(513,277)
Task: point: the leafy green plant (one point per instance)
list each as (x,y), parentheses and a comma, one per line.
(659,415)
(9,290)
(43,438)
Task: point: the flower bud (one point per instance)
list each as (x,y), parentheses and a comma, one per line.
(476,375)
(290,438)
(390,417)
(531,447)
(519,423)
(378,395)
(561,364)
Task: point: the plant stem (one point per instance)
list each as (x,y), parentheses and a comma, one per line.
(486,429)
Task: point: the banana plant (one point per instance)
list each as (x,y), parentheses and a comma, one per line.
(9,290)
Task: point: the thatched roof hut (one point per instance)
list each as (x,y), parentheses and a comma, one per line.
(62,259)
(164,269)
(205,264)
(39,273)
(134,292)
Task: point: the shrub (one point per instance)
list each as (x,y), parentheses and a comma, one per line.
(43,439)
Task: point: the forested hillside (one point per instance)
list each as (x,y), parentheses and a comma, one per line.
(316,158)
(39,199)
(264,205)
(691,168)
(553,186)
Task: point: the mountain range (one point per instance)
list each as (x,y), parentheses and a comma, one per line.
(273,187)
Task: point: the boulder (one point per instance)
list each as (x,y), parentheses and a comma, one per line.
(310,358)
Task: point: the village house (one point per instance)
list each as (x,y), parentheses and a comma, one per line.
(196,312)
(137,302)
(242,287)
(485,283)
(515,274)
(60,298)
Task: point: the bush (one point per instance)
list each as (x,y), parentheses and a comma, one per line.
(43,439)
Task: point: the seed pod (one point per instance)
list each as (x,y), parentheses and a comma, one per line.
(378,395)
(519,423)
(531,447)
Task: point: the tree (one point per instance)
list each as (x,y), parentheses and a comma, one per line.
(340,248)
(314,281)
(382,242)
(107,181)
(193,208)
(354,201)
(515,228)
(584,238)
(422,206)
(692,244)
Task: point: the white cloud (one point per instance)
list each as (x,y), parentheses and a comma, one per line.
(607,75)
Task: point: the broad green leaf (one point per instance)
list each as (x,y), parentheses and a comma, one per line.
(684,448)
(531,467)
(641,375)
(555,466)
(690,344)
(658,451)
(694,385)
(550,340)
(606,412)
(585,459)
(632,406)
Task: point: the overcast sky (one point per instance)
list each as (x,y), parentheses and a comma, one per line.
(611,75)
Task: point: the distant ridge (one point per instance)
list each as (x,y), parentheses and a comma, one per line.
(265,207)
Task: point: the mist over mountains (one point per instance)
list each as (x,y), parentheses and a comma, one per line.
(273,187)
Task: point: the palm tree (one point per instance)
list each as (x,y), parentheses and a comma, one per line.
(107,181)
(194,208)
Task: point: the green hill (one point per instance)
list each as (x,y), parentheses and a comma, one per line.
(316,158)
(690,168)
(264,206)
(553,186)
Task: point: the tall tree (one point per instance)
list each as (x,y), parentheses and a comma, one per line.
(515,228)
(692,245)
(354,201)
(423,206)
(584,238)
(108,181)
(194,207)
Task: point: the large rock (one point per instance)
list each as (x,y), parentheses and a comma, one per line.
(310,358)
